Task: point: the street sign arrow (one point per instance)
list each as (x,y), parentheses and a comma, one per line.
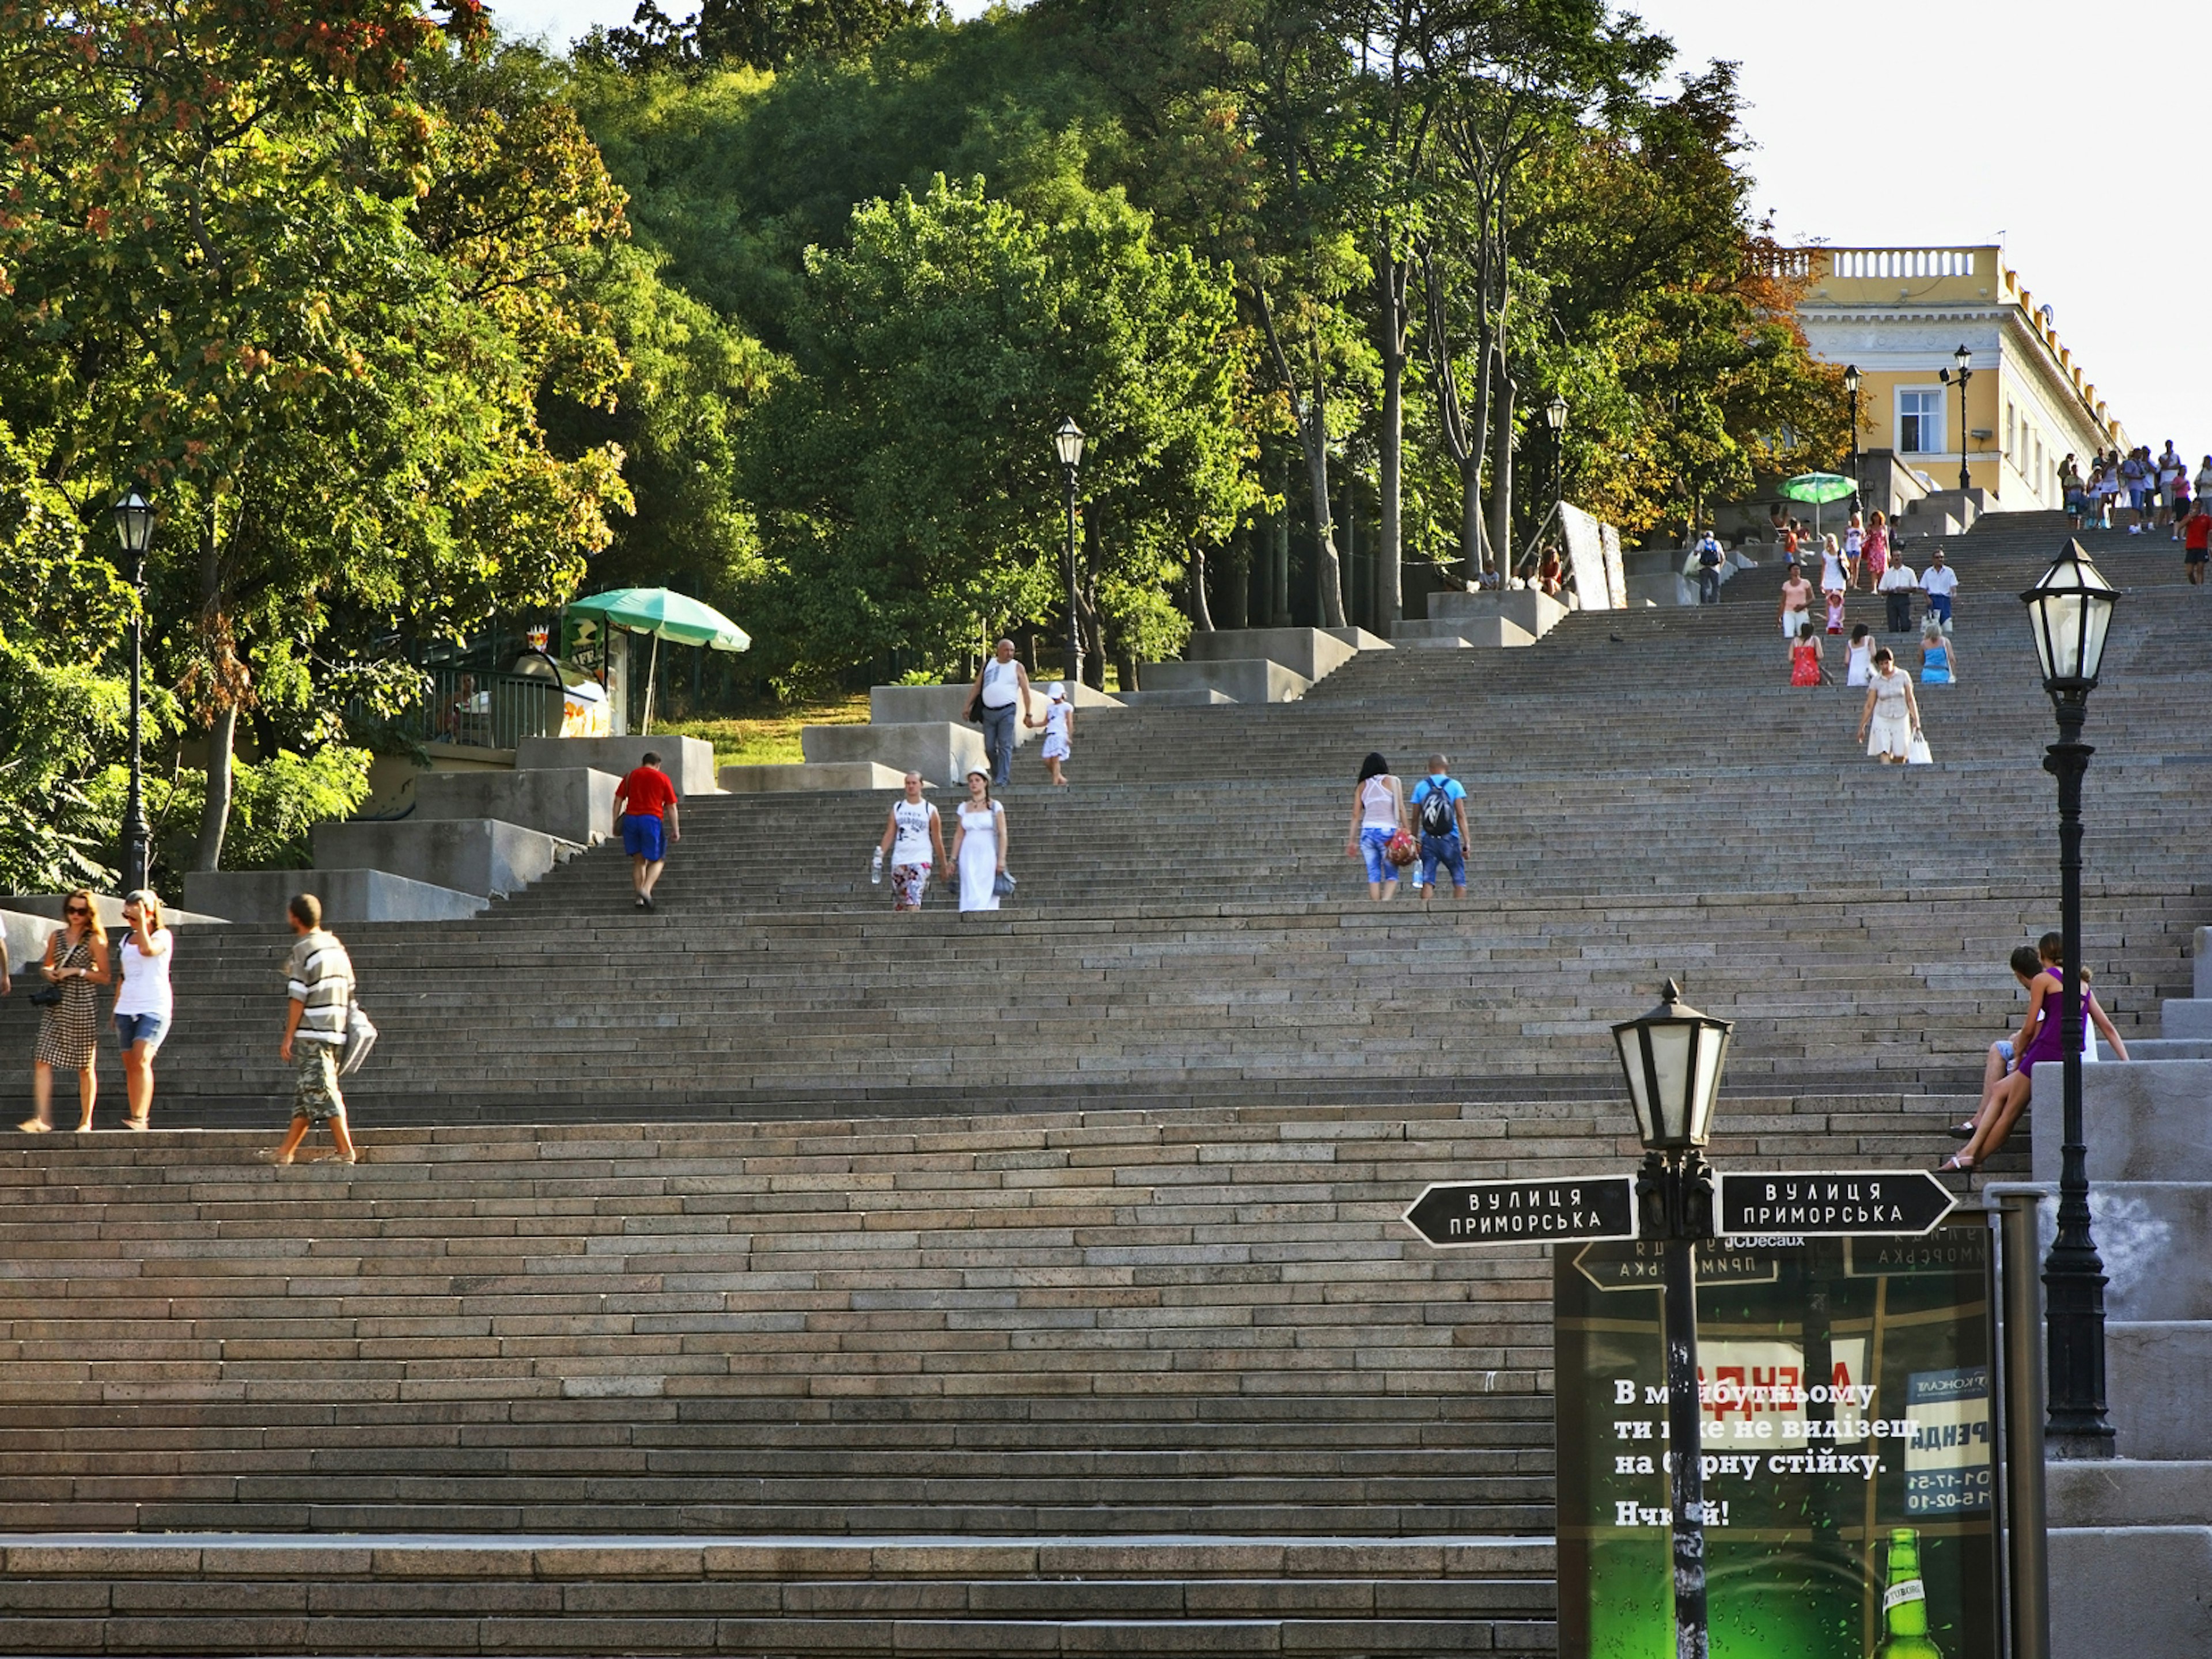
(1524,1211)
(1833,1203)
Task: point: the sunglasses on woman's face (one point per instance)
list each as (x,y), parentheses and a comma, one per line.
(77,910)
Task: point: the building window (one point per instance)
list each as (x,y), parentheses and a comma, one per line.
(1920,422)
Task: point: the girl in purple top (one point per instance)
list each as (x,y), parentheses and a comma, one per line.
(2043,1038)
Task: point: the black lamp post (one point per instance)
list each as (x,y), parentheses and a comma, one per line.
(1067,444)
(1672,1058)
(1963,358)
(2071,607)
(1851,386)
(1555,417)
(134,525)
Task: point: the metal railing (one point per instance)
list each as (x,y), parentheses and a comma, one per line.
(483,710)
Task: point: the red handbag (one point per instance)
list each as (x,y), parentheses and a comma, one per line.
(1402,850)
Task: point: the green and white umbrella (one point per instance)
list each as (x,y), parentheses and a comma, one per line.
(1819,487)
(666,616)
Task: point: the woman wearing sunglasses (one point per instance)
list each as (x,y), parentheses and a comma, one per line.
(76,965)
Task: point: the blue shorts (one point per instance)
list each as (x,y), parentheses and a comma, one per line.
(148,1028)
(644,836)
(1374,841)
(1445,850)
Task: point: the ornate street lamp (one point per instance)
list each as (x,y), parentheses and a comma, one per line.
(1673,1058)
(2070,607)
(1555,417)
(1067,444)
(1851,386)
(1964,360)
(134,527)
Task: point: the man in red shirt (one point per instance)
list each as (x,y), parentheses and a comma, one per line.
(648,824)
(2196,540)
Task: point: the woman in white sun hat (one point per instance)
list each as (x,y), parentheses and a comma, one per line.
(1059,725)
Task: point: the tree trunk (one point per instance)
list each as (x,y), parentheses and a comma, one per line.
(1237,590)
(214,814)
(1201,611)
(1279,560)
(1501,476)
(1472,543)
(1390,274)
(1313,437)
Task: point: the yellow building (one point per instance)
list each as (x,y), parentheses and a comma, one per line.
(1899,315)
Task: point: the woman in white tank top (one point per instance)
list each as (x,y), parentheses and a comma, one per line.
(910,832)
(144,1002)
(1378,813)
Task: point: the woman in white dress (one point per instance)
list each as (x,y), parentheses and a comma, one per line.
(1059,732)
(1890,711)
(979,847)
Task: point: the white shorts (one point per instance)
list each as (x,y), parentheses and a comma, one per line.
(1889,737)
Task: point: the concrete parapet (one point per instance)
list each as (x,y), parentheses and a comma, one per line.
(2203,962)
(575,803)
(689,762)
(941,751)
(2185,1017)
(1357,638)
(482,856)
(819,774)
(1199,698)
(1309,651)
(1250,679)
(258,896)
(1534,613)
(913,705)
(2145,1121)
(47,907)
(2130,1589)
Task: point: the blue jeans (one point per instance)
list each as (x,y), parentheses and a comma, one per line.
(1709,584)
(1445,850)
(999,741)
(1374,841)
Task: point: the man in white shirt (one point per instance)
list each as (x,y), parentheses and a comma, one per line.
(1897,588)
(1939,582)
(1002,683)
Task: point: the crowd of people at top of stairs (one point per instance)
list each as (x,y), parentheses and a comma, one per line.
(320,1018)
(2009,1072)
(1889,721)
(2158,489)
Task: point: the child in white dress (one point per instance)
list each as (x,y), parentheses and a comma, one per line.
(1059,732)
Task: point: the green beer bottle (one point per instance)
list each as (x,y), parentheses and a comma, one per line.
(1905,1603)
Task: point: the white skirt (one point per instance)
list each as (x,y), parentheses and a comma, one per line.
(1056,747)
(1889,735)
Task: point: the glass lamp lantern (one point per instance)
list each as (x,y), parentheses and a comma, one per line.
(134,524)
(1068,443)
(1673,1058)
(2070,610)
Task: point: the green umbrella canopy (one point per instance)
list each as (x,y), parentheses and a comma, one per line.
(666,616)
(1818,486)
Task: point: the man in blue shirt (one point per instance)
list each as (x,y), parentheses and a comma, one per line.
(1439,804)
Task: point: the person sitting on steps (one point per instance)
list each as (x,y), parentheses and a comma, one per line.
(2042,1037)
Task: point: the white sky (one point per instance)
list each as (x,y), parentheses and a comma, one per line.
(2068,135)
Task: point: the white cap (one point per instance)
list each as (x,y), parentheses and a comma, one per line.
(1059,690)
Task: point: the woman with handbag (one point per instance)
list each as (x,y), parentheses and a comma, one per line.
(1891,711)
(75,967)
(978,846)
(1378,818)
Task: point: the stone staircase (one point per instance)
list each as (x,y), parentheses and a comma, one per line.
(773,1274)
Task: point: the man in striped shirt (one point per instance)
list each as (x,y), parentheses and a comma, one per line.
(319,984)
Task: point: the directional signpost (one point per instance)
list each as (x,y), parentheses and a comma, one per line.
(1518,1212)
(1835,1203)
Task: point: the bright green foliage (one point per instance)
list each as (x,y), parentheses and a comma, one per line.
(763,34)
(276,804)
(904,474)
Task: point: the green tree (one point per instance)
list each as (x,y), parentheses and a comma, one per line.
(904,473)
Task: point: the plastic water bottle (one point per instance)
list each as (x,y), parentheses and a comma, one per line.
(876,869)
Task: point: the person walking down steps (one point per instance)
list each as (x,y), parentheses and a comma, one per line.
(911,833)
(75,966)
(317,999)
(1890,714)
(979,847)
(646,818)
(1059,732)
(1003,683)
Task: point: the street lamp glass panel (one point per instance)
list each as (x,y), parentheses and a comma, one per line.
(2072,608)
(1068,443)
(1555,412)
(1673,1058)
(1964,358)
(1851,380)
(134,523)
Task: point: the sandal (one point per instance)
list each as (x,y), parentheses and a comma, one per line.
(1958,1164)
(31,1126)
(136,1123)
(1961,1130)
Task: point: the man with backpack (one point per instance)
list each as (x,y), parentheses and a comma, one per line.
(1709,560)
(1439,804)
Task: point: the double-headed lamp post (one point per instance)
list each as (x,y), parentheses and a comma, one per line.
(2070,607)
(1851,387)
(1673,1058)
(134,526)
(1067,444)
(1963,360)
